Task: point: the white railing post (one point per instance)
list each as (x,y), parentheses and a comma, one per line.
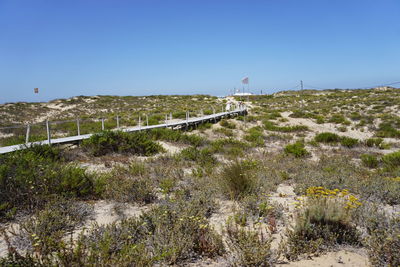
(28,129)
(147,120)
(117,122)
(166,119)
(48,131)
(78,126)
(170,116)
(102,124)
(139,124)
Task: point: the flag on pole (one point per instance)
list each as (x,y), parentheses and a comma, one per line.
(36,90)
(245,80)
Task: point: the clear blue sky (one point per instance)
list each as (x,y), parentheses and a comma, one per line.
(141,47)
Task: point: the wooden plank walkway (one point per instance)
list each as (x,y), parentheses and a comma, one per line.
(175,124)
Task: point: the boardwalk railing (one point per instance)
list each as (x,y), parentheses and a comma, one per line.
(142,125)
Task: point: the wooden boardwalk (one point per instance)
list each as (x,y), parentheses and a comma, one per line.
(174,125)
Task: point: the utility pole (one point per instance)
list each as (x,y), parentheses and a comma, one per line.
(301,83)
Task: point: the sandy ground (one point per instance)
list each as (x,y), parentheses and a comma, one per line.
(171,148)
(340,258)
(106,212)
(325,127)
(285,197)
(218,219)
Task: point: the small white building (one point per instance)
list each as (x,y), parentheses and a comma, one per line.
(242,94)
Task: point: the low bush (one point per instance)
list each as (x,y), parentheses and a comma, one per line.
(297,149)
(201,156)
(227,124)
(384,244)
(369,161)
(249,247)
(324,219)
(327,137)
(392,160)
(239,179)
(43,232)
(270,126)
(255,136)
(339,119)
(139,143)
(229,147)
(176,136)
(373,142)
(387,130)
(170,234)
(348,142)
(28,179)
(124,185)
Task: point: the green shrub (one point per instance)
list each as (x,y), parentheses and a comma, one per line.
(29,177)
(348,141)
(179,115)
(369,161)
(319,119)
(392,160)
(44,231)
(139,143)
(270,126)
(371,142)
(255,136)
(204,126)
(248,248)
(324,221)
(327,137)
(176,136)
(239,179)
(300,114)
(227,124)
(229,147)
(297,149)
(384,244)
(123,186)
(387,130)
(338,119)
(172,233)
(168,234)
(201,156)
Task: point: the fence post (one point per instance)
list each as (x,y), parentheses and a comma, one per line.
(48,131)
(102,124)
(117,121)
(213,110)
(166,119)
(28,129)
(170,116)
(147,120)
(187,117)
(139,124)
(78,126)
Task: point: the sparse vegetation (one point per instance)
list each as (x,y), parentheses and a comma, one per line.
(30,178)
(240,180)
(121,142)
(327,137)
(297,149)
